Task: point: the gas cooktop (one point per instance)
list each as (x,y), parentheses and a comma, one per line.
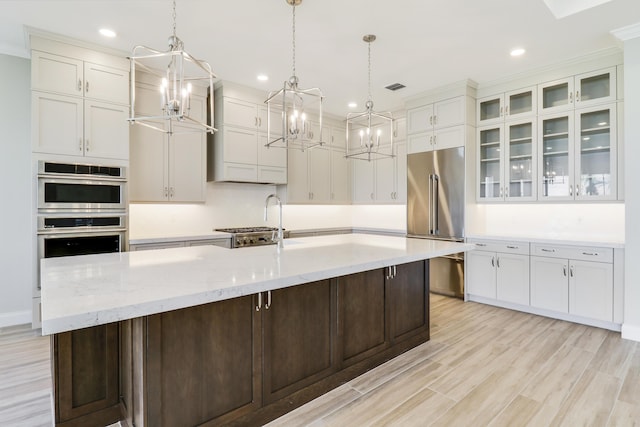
(252,236)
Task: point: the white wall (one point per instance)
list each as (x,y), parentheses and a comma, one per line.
(631,325)
(15,175)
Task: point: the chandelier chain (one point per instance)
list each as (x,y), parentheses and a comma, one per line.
(294,39)
(369,65)
(173,15)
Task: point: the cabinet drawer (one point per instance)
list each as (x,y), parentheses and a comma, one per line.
(509,247)
(583,253)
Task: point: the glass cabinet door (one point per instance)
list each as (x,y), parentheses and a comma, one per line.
(555,96)
(520,160)
(556,167)
(595,153)
(490,109)
(520,103)
(490,178)
(595,87)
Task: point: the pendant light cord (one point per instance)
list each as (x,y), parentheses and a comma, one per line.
(369,65)
(174,18)
(294,40)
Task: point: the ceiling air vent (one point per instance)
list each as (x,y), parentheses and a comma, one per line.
(395,86)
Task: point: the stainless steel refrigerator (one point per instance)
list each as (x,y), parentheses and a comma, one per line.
(435,210)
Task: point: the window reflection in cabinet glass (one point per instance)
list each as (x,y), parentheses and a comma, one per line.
(520,160)
(595,152)
(490,163)
(555,156)
(595,87)
(556,95)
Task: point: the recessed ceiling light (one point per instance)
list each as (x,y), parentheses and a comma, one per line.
(263,77)
(107,32)
(352,105)
(518,51)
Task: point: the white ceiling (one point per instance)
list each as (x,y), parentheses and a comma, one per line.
(422,44)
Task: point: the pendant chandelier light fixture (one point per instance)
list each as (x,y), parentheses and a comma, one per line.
(369,133)
(176,72)
(290,109)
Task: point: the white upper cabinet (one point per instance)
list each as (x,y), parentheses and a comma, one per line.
(578,154)
(578,91)
(69,76)
(239,147)
(79,108)
(514,104)
(449,112)
(167,168)
(437,126)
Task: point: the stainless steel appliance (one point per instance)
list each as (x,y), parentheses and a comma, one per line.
(82,210)
(73,187)
(252,236)
(435,210)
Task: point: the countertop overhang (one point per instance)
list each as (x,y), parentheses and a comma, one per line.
(90,290)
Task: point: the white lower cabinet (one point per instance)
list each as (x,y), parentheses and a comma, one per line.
(591,289)
(574,286)
(550,284)
(499,271)
(577,283)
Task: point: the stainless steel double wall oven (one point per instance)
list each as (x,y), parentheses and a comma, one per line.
(82,210)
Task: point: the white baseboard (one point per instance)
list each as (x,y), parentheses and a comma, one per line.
(631,332)
(15,318)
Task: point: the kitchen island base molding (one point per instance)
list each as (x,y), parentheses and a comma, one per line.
(248,360)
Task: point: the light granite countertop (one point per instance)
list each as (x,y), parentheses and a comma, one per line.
(90,290)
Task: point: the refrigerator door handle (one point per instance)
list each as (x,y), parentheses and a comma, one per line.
(436,201)
(430,198)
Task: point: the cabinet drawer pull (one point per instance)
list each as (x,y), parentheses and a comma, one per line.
(547,250)
(512,247)
(493,261)
(571,271)
(259,306)
(86,84)
(80,145)
(79,85)
(87,146)
(481,244)
(498,262)
(564,270)
(577,96)
(590,253)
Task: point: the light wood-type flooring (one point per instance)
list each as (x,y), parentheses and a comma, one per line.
(484,366)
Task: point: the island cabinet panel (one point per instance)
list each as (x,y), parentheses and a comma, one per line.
(362,325)
(203,363)
(408,300)
(298,338)
(86,376)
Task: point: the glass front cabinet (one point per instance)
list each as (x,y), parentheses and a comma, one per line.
(579,91)
(507,164)
(511,105)
(577,158)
